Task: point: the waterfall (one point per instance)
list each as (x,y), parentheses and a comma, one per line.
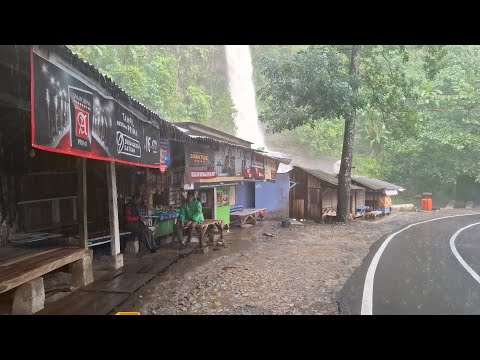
(242,89)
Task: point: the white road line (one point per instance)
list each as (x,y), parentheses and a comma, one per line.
(367,299)
(457,255)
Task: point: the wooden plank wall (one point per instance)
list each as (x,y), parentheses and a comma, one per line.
(97,196)
(329,197)
(48,175)
(311,194)
(314,200)
(298,194)
(314,204)
(360,198)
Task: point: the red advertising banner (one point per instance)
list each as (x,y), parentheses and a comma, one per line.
(254,166)
(71,117)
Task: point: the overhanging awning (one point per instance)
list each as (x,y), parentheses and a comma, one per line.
(209,186)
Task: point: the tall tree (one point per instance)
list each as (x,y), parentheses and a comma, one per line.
(344,178)
(328,83)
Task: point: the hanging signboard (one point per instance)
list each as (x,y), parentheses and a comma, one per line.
(199,163)
(253,166)
(71,117)
(165,156)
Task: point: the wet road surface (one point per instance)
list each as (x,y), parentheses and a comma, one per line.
(429,267)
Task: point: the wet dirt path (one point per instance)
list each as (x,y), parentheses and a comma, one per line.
(299,270)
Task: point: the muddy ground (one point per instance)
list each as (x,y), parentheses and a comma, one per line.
(299,270)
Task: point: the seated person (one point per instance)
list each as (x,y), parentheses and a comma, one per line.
(134,223)
(190,215)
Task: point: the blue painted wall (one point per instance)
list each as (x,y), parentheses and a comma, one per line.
(245,194)
(274,197)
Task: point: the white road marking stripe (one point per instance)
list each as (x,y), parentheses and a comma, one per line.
(367,299)
(457,255)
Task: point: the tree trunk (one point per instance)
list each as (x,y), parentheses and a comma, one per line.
(344,178)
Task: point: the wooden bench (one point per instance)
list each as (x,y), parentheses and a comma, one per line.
(202,229)
(25,274)
(247,215)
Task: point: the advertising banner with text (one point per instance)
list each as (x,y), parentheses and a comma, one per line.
(199,163)
(71,117)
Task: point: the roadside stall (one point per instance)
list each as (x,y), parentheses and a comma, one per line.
(79,112)
(214,170)
(378,193)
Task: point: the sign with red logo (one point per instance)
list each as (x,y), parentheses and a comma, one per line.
(254,166)
(81,106)
(81,119)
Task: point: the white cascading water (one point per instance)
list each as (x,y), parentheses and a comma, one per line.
(242,89)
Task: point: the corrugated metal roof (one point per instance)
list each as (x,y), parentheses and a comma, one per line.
(329,178)
(220,135)
(191,134)
(281,157)
(375,184)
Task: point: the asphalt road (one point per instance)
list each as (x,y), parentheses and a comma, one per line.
(425,268)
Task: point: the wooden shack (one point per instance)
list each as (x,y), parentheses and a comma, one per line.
(376,191)
(313,194)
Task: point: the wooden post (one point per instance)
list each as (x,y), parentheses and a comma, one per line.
(305,201)
(56,211)
(321,203)
(150,187)
(113,208)
(74,203)
(82,203)
(214,210)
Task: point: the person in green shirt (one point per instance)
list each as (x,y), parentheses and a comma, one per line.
(190,215)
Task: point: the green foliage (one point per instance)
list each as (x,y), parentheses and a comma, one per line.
(366,165)
(325,137)
(311,85)
(418,116)
(448,145)
(180,83)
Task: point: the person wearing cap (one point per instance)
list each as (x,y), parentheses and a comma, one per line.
(190,215)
